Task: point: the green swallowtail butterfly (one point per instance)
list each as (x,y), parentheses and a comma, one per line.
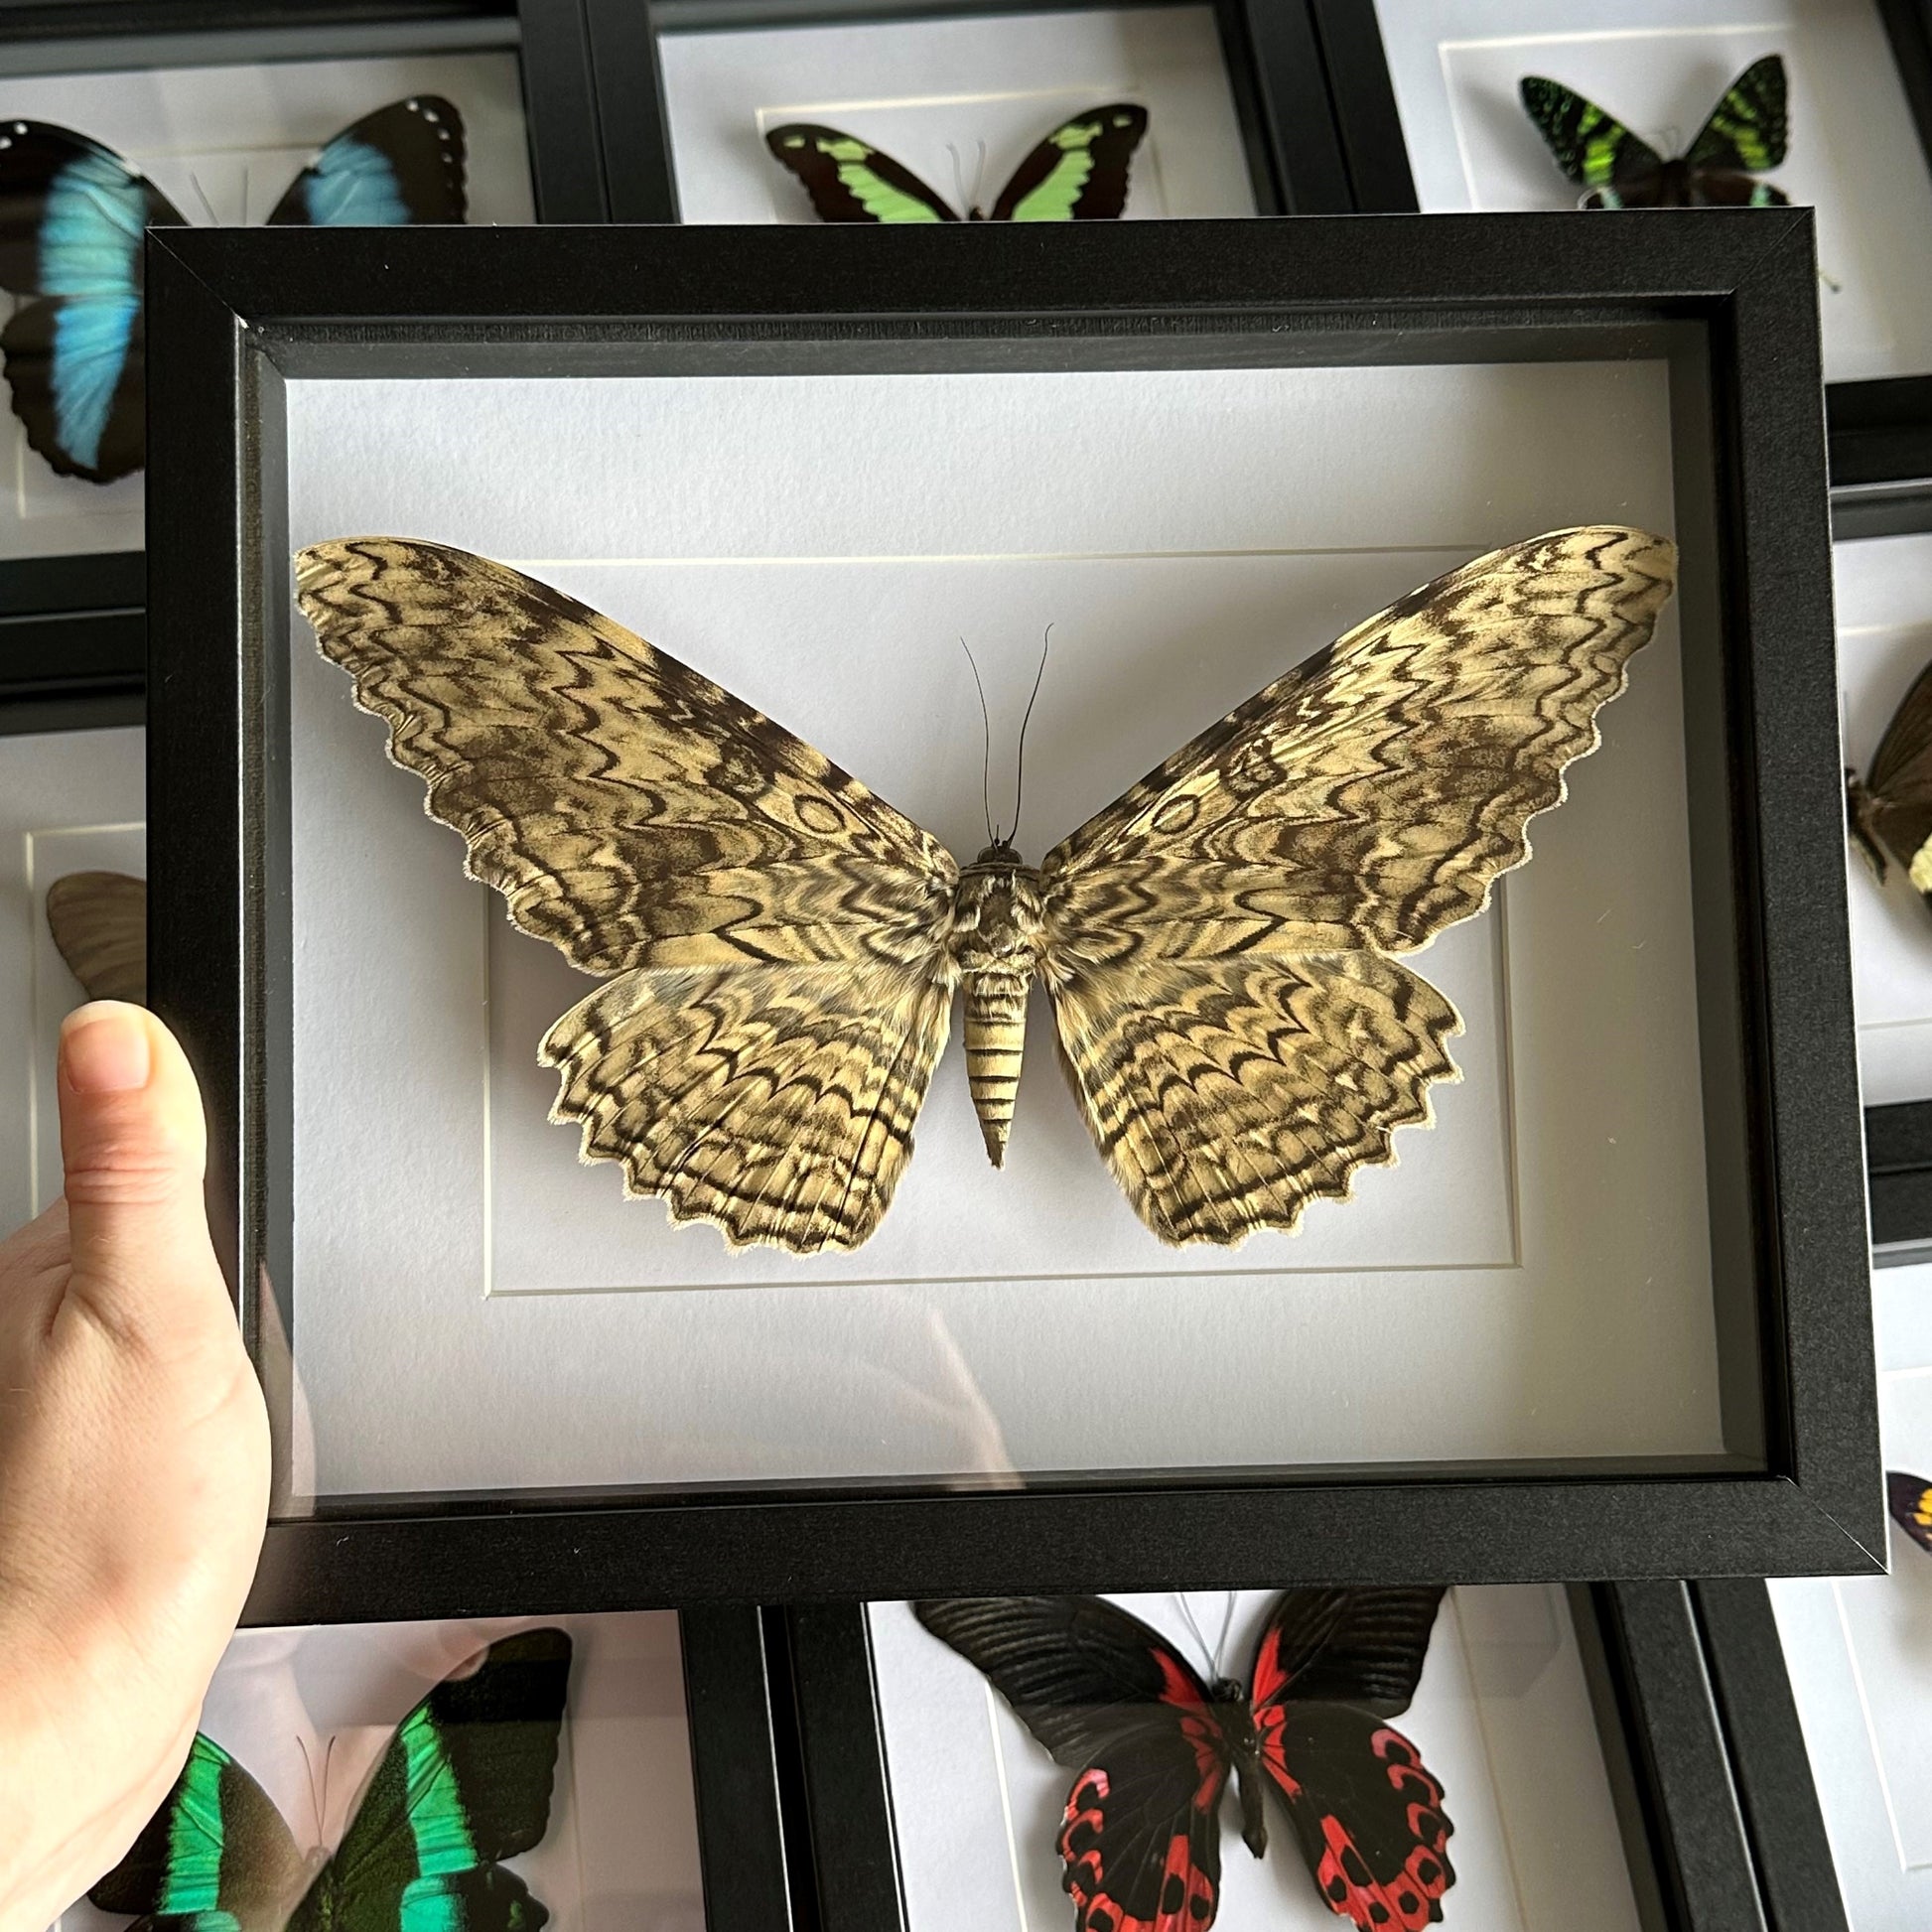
(464,1785)
(1744,136)
(1077,173)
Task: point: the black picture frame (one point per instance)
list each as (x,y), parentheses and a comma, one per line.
(1878,428)
(74,626)
(1689,1838)
(1770,1770)
(233,309)
(1273,58)
(1898,1134)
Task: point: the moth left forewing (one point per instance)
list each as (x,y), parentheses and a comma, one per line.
(777,932)
(1238,1040)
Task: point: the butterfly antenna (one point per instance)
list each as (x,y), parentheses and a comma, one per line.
(208,206)
(1194,1629)
(315,1799)
(986,737)
(979,189)
(1020,775)
(1227,1625)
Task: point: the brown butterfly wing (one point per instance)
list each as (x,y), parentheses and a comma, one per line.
(778,930)
(99,922)
(1899,788)
(1238,1039)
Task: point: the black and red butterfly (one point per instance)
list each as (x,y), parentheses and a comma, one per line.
(1155,1747)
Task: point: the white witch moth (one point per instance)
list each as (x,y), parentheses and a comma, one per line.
(778,949)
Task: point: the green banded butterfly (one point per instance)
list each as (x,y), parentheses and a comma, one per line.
(464,1785)
(1077,173)
(1744,136)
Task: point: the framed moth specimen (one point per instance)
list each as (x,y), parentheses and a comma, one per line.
(588,706)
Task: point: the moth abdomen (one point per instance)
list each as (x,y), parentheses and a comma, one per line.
(998,926)
(996,1043)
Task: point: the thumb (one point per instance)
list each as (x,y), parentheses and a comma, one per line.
(133,1144)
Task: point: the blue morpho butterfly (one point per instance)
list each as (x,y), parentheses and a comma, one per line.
(464,1783)
(71,214)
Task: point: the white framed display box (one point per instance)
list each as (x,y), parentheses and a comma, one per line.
(1503,1717)
(69,802)
(1660,66)
(309,1713)
(1884,640)
(1553,1219)
(959,99)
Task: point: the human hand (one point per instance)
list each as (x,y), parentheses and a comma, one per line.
(133,1468)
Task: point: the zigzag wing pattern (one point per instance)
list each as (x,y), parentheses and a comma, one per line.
(779,932)
(1238,1041)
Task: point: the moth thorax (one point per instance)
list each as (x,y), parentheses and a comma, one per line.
(996,923)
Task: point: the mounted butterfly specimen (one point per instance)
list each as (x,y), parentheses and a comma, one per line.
(1909,1498)
(1744,136)
(99,922)
(1889,811)
(464,1785)
(779,949)
(1154,1747)
(72,216)
(1077,173)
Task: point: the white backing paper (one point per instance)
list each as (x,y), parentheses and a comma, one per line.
(1860,1653)
(1660,66)
(1885,639)
(1501,1717)
(222,144)
(929,92)
(69,802)
(621,1850)
(473,1309)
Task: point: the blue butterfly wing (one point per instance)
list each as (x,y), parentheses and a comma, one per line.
(400,166)
(72,216)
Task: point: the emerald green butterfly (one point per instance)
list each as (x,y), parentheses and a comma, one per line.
(1077,173)
(465,1782)
(1745,135)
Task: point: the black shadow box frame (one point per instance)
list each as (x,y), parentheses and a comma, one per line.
(1877,428)
(1690,1815)
(1274,66)
(1898,1135)
(1769,1768)
(235,312)
(75,625)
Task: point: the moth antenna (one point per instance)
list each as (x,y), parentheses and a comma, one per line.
(1020,774)
(979,189)
(1194,1630)
(985,739)
(208,206)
